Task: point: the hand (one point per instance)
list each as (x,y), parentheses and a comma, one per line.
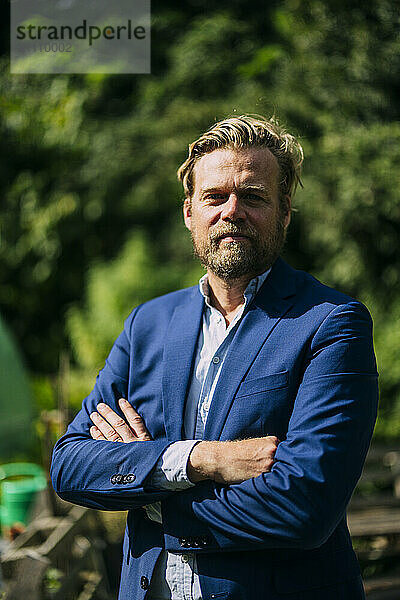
(232,462)
(108,425)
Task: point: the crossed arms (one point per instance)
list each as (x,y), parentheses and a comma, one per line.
(223,462)
(290,496)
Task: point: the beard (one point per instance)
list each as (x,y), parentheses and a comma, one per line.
(237,259)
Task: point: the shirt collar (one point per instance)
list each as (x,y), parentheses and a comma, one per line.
(249,293)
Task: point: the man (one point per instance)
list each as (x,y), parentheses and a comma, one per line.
(245,405)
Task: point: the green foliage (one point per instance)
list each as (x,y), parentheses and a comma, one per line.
(113,289)
(43,392)
(350,210)
(91,224)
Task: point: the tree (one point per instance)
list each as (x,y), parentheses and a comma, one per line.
(91,222)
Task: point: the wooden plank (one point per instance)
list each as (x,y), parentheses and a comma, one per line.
(385,588)
(93,588)
(44,537)
(48,537)
(359,502)
(77,522)
(376,521)
(62,542)
(35,533)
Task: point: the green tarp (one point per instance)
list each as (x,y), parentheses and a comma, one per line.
(16,408)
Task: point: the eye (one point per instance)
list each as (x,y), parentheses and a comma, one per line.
(215,198)
(252,198)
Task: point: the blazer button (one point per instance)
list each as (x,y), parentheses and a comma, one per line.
(130,478)
(113,479)
(144,583)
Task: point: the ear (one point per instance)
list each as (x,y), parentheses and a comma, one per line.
(187,213)
(288,211)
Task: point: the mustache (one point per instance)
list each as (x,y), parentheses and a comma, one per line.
(232,229)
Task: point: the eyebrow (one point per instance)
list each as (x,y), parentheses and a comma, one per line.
(253,188)
(241,188)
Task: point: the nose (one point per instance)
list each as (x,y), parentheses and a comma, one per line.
(232,209)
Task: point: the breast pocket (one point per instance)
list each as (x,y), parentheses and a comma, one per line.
(261,407)
(274,381)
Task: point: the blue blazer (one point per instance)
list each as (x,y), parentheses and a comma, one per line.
(301,367)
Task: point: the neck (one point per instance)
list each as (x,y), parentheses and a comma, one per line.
(227,296)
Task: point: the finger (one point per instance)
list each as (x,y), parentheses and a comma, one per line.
(274,441)
(135,420)
(116,422)
(105,428)
(96,433)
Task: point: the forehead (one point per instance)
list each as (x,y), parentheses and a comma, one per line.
(228,166)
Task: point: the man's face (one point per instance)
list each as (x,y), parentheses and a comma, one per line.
(237,225)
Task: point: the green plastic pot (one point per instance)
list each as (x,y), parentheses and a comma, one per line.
(19,484)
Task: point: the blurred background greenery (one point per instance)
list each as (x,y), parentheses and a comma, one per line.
(90,204)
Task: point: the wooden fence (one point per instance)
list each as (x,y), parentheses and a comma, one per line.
(374,522)
(58,558)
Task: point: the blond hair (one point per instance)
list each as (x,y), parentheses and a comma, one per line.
(248,131)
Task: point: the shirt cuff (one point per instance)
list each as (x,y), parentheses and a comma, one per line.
(170,472)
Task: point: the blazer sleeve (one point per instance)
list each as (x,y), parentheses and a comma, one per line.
(304,497)
(85,471)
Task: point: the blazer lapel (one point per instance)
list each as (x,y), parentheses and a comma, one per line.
(179,353)
(270,304)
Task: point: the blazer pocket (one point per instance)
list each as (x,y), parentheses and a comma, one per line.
(263,384)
